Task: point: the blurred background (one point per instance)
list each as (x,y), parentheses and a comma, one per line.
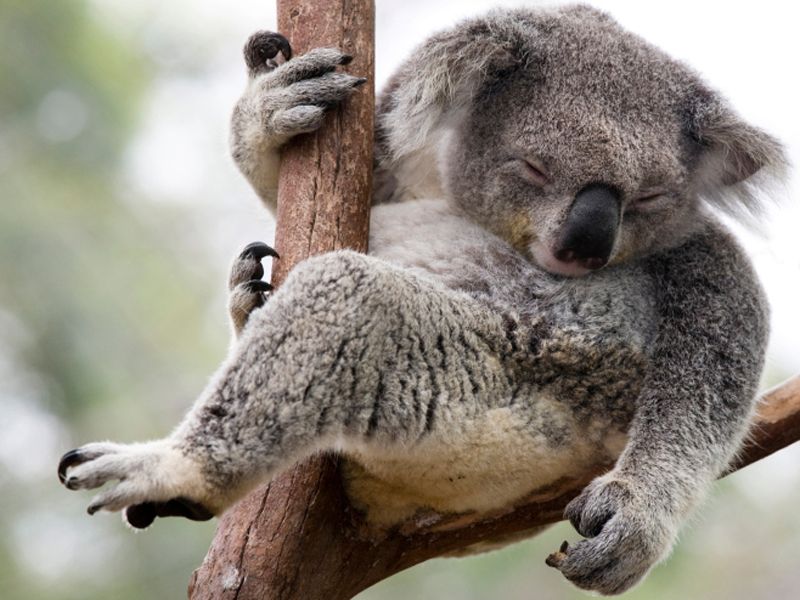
(120,210)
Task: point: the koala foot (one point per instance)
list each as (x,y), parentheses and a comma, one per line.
(248,290)
(626,537)
(155,480)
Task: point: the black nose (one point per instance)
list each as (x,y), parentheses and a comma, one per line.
(588,235)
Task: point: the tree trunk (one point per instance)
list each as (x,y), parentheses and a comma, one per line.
(297,537)
(265,544)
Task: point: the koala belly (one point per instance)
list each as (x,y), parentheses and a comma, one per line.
(483,464)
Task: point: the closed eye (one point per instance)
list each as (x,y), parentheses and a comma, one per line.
(649,200)
(534,172)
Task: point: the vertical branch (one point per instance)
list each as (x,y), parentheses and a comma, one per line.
(281,541)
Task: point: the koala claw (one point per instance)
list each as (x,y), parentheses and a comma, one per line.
(248,291)
(77,457)
(247,266)
(261,49)
(625,538)
(556,558)
(258,286)
(258,250)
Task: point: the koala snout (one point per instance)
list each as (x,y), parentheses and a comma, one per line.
(588,235)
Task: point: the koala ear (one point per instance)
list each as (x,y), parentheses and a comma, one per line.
(736,161)
(444,74)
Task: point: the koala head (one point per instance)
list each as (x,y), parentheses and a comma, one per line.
(585,146)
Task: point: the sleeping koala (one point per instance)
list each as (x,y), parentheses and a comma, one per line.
(547,291)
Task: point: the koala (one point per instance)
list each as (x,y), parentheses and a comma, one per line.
(549,289)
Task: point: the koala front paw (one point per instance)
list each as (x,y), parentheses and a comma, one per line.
(627,535)
(285,100)
(155,480)
(247,290)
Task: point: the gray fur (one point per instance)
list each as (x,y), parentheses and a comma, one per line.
(458,366)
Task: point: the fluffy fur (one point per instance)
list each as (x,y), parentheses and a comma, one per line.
(459,367)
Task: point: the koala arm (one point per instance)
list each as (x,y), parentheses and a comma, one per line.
(691,417)
(700,393)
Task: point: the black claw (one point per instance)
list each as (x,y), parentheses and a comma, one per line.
(70,459)
(257,251)
(262,47)
(258,285)
(360,81)
(346,59)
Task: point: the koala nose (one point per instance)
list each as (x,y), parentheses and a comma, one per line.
(588,235)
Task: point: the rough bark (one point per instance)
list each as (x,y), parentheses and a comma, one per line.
(297,537)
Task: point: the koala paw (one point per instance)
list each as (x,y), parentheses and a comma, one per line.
(626,534)
(155,480)
(247,290)
(286,100)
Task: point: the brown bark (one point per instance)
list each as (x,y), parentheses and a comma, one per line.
(297,537)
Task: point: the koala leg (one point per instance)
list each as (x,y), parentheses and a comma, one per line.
(247,290)
(350,351)
(280,102)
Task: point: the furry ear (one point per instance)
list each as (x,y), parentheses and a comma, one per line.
(443,75)
(736,161)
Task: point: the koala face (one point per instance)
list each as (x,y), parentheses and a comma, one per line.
(594,147)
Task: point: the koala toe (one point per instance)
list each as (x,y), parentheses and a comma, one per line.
(248,290)
(596,505)
(247,265)
(609,563)
(313,64)
(142,515)
(261,50)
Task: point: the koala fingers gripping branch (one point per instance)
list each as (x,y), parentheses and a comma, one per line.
(542,305)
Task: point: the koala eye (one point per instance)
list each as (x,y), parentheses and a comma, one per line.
(534,172)
(648,200)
